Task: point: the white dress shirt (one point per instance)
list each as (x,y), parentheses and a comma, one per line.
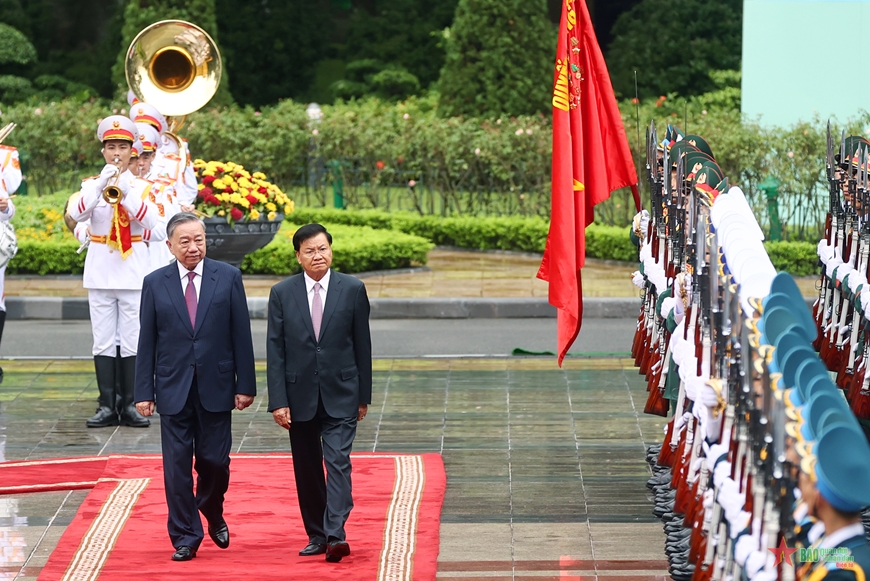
(309,289)
(197,280)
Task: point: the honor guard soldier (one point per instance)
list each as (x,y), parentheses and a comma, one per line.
(116,205)
(835,488)
(169,166)
(10,179)
(161,195)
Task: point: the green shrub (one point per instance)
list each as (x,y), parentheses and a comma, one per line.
(47,257)
(355,249)
(796,258)
(610,243)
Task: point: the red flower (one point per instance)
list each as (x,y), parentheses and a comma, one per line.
(251,199)
(262,190)
(237,175)
(213,201)
(207,180)
(236,214)
(380,165)
(219,169)
(228,190)
(205,193)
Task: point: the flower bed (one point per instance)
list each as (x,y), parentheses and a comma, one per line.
(227,189)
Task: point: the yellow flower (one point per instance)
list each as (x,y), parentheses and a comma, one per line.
(208,172)
(235,186)
(259,175)
(224,197)
(255,215)
(219,184)
(271,215)
(221,213)
(244,203)
(271,207)
(288,209)
(235,198)
(200,186)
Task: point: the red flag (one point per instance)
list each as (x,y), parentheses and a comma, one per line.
(591,159)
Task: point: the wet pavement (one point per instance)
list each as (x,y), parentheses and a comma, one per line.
(545,466)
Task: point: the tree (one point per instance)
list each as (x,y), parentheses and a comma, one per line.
(141,13)
(401,33)
(15,52)
(271,47)
(499,59)
(673,44)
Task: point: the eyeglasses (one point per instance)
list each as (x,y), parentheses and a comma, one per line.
(322,251)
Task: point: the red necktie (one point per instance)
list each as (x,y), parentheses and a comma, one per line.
(190,299)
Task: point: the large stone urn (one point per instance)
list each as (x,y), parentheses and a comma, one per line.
(231,243)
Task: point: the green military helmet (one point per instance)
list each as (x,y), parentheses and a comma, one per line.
(693,161)
(700,143)
(678,149)
(853,143)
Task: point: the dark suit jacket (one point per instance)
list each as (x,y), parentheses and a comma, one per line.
(338,368)
(220,348)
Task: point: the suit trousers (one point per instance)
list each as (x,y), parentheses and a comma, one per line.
(325,503)
(195,431)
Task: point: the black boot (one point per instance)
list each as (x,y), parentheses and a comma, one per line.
(2,324)
(106,415)
(130,416)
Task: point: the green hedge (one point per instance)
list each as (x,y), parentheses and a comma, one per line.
(355,249)
(796,258)
(47,257)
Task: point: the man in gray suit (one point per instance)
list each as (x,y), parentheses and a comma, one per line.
(319,367)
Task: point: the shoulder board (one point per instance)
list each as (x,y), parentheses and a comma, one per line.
(173,156)
(7,148)
(90,178)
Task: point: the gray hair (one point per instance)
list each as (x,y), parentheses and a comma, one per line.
(181,218)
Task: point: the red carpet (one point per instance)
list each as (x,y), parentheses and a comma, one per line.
(120,529)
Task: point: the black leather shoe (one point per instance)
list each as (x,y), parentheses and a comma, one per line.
(220,534)
(104,418)
(184,554)
(335,550)
(313,549)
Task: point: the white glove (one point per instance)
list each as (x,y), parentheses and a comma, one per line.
(124,184)
(715,452)
(681,421)
(825,250)
(730,499)
(667,307)
(754,565)
(743,548)
(721,472)
(833,263)
(108,172)
(739,523)
(865,299)
(644,222)
(638,279)
(845,270)
(855,281)
(693,386)
(708,396)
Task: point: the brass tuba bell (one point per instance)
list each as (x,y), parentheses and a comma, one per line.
(176,67)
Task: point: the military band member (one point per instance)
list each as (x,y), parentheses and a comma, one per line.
(169,167)
(116,263)
(135,152)
(10,179)
(160,194)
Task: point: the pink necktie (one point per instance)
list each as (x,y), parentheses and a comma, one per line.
(317,310)
(190,298)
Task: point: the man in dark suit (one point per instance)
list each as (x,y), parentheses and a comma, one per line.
(319,360)
(196,360)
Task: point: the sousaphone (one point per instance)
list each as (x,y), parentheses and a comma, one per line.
(176,67)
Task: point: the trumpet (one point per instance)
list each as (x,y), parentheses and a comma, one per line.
(112,193)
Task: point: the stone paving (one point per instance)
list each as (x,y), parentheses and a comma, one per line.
(546,471)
